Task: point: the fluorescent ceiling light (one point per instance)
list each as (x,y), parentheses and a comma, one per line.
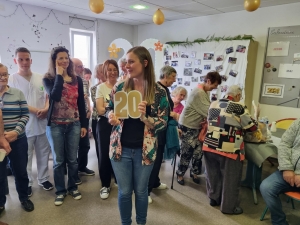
(139,7)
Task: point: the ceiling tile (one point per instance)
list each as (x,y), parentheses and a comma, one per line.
(167,3)
(221,4)
(232,9)
(192,9)
(36,2)
(268,3)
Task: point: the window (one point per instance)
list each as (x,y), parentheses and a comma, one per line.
(82,45)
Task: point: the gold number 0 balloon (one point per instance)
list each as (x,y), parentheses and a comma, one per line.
(127,104)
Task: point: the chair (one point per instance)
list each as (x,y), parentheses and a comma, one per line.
(291,196)
(284,123)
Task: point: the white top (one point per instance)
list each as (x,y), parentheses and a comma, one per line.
(103,92)
(35,96)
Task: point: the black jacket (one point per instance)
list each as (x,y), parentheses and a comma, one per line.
(54,89)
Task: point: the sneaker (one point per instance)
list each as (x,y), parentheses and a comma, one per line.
(78,181)
(149,200)
(116,184)
(75,194)
(104,192)
(162,186)
(86,172)
(27,205)
(29,191)
(47,186)
(59,200)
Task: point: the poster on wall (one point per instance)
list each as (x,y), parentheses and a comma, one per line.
(273,90)
(289,71)
(279,48)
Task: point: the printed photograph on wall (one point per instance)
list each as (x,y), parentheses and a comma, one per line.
(194,79)
(197,62)
(175,55)
(184,55)
(220,58)
(187,83)
(198,70)
(224,88)
(232,60)
(188,71)
(214,97)
(167,63)
(273,90)
(224,78)
(219,68)
(241,48)
(193,54)
(207,67)
(202,78)
(168,57)
(229,50)
(233,73)
(188,63)
(179,80)
(166,51)
(208,56)
(173,87)
(174,63)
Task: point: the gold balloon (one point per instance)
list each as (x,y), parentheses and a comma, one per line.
(158,17)
(96,6)
(251,5)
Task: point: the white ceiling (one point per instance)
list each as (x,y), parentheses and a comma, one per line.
(172,9)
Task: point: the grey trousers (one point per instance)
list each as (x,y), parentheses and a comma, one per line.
(223,178)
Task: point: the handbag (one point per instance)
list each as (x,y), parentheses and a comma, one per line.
(172,140)
(260,135)
(203,130)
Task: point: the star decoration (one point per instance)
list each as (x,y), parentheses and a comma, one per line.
(158,46)
(113,51)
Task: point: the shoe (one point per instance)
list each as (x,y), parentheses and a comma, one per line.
(116,184)
(162,186)
(75,194)
(195,179)
(104,192)
(236,211)
(47,186)
(27,205)
(87,172)
(2,209)
(78,181)
(181,182)
(149,200)
(59,200)
(213,202)
(29,191)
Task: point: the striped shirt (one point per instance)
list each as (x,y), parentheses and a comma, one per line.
(15,111)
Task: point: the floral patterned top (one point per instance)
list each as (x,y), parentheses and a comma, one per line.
(66,110)
(158,117)
(93,96)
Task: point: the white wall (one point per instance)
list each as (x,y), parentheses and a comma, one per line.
(231,24)
(19,27)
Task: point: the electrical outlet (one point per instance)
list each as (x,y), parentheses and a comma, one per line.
(2,8)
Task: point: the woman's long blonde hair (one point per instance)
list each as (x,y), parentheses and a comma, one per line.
(149,76)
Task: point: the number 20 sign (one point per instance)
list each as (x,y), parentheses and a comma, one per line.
(126,104)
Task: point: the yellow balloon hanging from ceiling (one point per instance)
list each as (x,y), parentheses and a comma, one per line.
(158,17)
(96,6)
(251,5)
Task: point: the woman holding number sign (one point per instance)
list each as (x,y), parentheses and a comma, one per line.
(134,140)
(111,73)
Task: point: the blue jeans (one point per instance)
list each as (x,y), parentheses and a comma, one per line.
(132,176)
(18,161)
(270,189)
(64,140)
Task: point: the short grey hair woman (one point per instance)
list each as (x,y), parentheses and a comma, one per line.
(122,63)
(178,94)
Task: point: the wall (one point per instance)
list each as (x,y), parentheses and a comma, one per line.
(19,29)
(230,24)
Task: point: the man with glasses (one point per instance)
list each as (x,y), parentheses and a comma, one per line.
(32,86)
(84,144)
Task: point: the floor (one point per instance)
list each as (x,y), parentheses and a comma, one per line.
(184,205)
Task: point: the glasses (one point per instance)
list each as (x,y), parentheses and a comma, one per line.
(112,70)
(4,75)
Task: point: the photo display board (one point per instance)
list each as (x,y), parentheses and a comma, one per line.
(281,72)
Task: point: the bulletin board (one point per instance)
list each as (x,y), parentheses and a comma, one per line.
(281,72)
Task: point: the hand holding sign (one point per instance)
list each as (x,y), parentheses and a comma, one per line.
(129,104)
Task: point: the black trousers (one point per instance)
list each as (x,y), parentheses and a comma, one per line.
(94,128)
(83,150)
(154,180)
(103,139)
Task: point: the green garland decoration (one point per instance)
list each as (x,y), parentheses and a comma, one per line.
(209,39)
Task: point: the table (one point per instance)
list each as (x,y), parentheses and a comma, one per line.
(256,154)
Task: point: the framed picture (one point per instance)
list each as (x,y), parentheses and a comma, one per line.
(273,90)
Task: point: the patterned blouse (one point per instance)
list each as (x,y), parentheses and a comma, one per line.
(159,116)
(93,96)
